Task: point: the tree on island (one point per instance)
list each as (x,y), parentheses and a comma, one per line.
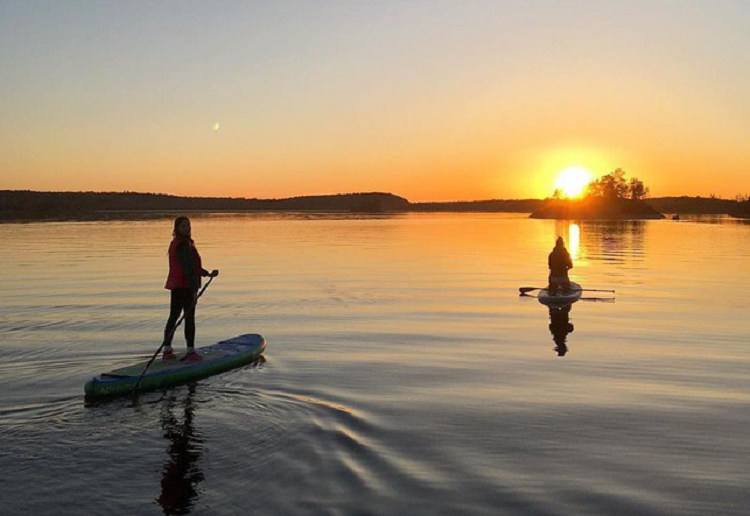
(611,197)
(614,185)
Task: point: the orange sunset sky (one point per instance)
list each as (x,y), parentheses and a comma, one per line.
(427,99)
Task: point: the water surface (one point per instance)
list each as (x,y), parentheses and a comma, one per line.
(404,374)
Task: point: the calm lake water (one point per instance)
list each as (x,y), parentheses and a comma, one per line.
(404,375)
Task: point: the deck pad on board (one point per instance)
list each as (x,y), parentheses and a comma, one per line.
(159,365)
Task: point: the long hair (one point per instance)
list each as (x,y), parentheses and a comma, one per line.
(179,220)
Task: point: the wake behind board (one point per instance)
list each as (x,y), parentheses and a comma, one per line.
(561,298)
(217,358)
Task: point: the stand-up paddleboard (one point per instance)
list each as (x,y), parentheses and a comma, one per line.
(562,297)
(217,358)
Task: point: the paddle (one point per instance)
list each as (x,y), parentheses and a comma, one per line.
(599,299)
(523,290)
(593,299)
(138,383)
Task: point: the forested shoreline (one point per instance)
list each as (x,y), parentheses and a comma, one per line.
(17,205)
(31,205)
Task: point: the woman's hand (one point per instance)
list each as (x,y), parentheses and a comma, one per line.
(214,273)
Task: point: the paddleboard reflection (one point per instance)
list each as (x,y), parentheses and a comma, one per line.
(560,326)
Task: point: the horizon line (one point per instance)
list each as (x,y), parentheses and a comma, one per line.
(133,192)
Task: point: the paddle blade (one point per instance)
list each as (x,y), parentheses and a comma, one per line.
(523,290)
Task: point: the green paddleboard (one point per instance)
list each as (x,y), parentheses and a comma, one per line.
(217,358)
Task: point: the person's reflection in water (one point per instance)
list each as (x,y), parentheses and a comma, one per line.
(181,475)
(559,327)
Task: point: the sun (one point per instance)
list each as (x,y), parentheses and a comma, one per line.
(573,181)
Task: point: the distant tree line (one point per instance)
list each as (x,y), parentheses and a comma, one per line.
(29,205)
(615,186)
(611,196)
(488,206)
(16,204)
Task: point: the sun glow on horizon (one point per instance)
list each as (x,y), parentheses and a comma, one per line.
(572,181)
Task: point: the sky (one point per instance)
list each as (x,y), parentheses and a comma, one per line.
(432,100)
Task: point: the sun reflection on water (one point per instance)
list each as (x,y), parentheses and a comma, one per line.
(574,240)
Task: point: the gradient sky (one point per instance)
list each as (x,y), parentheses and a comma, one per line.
(428,99)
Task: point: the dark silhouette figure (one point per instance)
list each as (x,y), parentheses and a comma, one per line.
(560,326)
(181,474)
(183,281)
(559,263)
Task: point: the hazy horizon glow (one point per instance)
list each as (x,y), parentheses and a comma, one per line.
(430,100)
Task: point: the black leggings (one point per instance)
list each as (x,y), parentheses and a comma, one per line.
(182,300)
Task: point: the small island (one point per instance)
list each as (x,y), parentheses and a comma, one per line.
(610,197)
(596,208)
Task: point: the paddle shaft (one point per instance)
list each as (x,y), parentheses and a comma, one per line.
(191,309)
(523,290)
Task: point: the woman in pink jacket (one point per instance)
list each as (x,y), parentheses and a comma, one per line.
(184,280)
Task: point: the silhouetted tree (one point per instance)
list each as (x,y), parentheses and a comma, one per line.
(614,185)
(637,189)
(610,185)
